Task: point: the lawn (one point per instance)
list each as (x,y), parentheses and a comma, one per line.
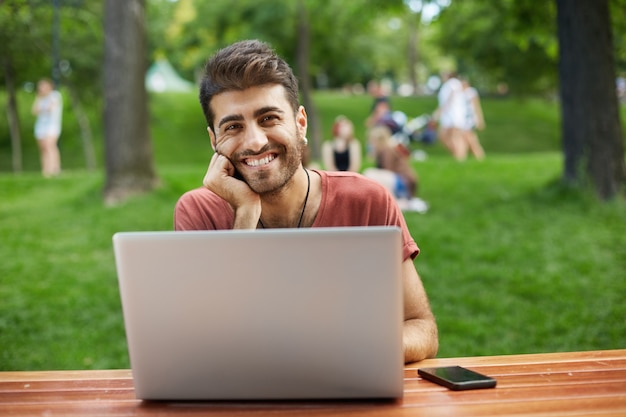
(512,261)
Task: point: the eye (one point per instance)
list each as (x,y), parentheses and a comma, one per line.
(232,127)
(268,118)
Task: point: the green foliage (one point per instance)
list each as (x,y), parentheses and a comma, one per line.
(618,11)
(25,36)
(344,44)
(512,42)
(27,31)
(350,41)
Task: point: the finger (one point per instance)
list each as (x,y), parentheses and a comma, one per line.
(220,168)
(214,166)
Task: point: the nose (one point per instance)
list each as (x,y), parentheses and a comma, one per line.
(254,137)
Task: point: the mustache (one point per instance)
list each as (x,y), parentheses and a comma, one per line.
(266,148)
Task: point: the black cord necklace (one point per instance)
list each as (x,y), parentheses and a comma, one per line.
(306,199)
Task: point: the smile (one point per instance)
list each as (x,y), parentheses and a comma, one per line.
(261,161)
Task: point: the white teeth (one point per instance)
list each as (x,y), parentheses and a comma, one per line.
(259,162)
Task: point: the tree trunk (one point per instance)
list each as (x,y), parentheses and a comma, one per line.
(13,115)
(412,53)
(302,59)
(593,143)
(128,147)
(85,128)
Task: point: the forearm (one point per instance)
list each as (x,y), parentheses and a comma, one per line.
(247,217)
(420,339)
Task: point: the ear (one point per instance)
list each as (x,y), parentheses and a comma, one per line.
(212,136)
(301,121)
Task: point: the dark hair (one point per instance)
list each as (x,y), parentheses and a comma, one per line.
(242,65)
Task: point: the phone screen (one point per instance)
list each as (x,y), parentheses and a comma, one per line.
(457,377)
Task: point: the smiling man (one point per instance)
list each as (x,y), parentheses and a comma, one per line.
(255,178)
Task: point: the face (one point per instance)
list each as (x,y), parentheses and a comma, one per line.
(256,129)
(44,87)
(345,129)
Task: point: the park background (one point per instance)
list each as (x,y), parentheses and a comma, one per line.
(513,260)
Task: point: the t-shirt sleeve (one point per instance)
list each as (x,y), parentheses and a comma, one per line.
(396,218)
(201,209)
(354,200)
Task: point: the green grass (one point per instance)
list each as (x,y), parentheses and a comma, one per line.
(512,261)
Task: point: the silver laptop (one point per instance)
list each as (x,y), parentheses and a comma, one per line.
(263,315)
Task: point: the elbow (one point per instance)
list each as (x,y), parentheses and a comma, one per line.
(421,340)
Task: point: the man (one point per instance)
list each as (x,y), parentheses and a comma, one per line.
(256,179)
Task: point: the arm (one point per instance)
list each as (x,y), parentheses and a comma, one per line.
(355,155)
(245,203)
(385,158)
(327,157)
(35,108)
(478,112)
(420,336)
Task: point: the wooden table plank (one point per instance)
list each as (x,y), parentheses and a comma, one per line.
(552,357)
(577,383)
(572,407)
(102,374)
(617,377)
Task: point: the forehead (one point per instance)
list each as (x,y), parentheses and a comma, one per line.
(245,102)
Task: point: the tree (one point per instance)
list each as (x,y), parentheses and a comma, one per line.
(593,143)
(508,42)
(30,30)
(21,55)
(302,68)
(299,31)
(128,146)
(344,42)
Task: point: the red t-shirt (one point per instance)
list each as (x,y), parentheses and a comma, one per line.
(348,199)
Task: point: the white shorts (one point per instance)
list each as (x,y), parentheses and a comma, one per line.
(45,131)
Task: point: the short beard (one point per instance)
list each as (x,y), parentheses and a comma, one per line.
(293,159)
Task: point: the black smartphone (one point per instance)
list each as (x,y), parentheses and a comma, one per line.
(457,378)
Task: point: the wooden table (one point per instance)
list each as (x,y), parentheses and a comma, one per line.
(579,383)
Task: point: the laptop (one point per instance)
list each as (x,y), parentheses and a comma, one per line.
(275,314)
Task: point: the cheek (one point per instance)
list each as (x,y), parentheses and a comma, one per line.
(225,143)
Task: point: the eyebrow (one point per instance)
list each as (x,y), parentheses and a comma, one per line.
(229,118)
(257,113)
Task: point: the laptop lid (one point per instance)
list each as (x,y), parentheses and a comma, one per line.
(263,314)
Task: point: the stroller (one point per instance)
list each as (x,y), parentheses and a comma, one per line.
(420,129)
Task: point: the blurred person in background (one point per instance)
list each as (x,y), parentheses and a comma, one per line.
(452,116)
(48,107)
(343,151)
(394,169)
(474,119)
